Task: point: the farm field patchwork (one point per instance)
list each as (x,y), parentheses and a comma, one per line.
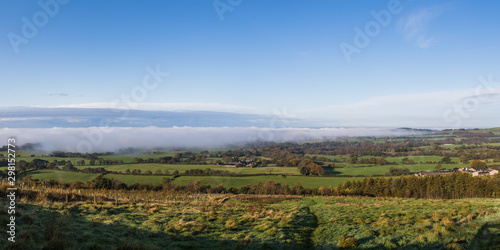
(153,167)
(227,181)
(381,170)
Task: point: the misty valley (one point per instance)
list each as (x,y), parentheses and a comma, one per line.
(431,189)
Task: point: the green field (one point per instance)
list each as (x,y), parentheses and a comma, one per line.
(381,170)
(419,159)
(227,181)
(236,182)
(292,174)
(128,158)
(153,167)
(494,130)
(49,159)
(398,159)
(62,176)
(141,179)
(453,147)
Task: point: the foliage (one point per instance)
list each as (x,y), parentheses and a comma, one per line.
(478,164)
(398,171)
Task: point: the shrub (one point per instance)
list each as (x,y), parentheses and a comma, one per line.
(454,246)
(388,244)
(347,242)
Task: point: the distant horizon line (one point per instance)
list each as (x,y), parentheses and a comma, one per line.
(223,119)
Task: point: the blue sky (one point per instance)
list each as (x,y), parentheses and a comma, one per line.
(264,57)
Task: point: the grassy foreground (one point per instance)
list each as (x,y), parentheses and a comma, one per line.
(256,222)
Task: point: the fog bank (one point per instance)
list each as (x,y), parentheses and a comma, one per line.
(104,139)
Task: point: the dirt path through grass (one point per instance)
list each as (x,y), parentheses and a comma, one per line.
(312,223)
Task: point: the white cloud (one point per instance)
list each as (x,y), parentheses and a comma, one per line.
(414,110)
(415,27)
(218,107)
(17,119)
(61,94)
(423,110)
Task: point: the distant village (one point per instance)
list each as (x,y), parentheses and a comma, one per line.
(469,170)
(474,172)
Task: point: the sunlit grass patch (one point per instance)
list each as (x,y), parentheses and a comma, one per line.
(392,223)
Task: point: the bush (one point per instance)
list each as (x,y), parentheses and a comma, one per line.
(347,242)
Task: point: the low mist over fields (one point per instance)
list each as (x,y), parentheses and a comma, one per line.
(98,130)
(101,139)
